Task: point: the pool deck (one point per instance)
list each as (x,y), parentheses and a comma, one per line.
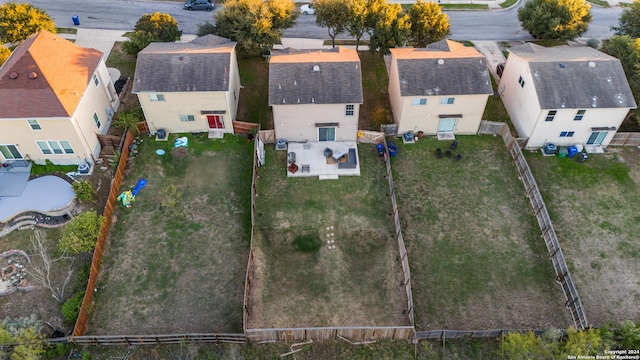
(45,194)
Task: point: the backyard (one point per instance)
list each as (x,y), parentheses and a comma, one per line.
(594,209)
(476,257)
(175,261)
(324,251)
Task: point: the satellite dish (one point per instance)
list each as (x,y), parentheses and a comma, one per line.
(316,68)
(440,61)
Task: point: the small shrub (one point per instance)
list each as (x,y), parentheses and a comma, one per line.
(128,119)
(307,243)
(85,191)
(81,233)
(593,43)
(71,308)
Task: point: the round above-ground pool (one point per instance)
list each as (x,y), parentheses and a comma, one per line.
(44,194)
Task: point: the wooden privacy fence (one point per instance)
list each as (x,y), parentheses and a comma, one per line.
(563,276)
(402,250)
(83,316)
(267,136)
(626,139)
(365,136)
(158,339)
(490,127)
(241,127)
(469,334)
(363,333)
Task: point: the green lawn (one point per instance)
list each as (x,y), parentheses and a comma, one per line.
(475,253)
(594,209)
(253,105)
(175,261)
(298,281)
(122,61)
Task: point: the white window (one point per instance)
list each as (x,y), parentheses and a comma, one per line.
(446,101)
(579,115)
(10,152)
(187,118)
(35,125)
(95,79)
(55,147)
(349,110)
(97,120)
(521,82)
(551,115)
(419,101)
(156,97)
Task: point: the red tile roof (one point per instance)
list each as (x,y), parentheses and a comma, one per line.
(45,76)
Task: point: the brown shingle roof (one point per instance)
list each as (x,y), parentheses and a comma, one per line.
(62,71)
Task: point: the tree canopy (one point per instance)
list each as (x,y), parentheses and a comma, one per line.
(629,21)
(428,23)
(358,14)
(18,21)
(555,19)
(627,50)
(81,233)
(4,54)
(254,24)
(156,27)
(334,15)
(388,26)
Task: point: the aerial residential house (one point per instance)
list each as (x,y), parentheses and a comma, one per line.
(441,89)
(55,98)
(315,94)
(565,95)
(189,87)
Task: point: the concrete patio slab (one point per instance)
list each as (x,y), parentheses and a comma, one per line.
(311,161)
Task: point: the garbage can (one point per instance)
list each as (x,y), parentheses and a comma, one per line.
(582,157)
(381,150)
(76,20)
(161,134)
(562,153)
(573,151)
(393,149)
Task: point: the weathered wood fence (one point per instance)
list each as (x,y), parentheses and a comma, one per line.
(157,339)
(355,333)
(375,137)
(626,139)
(573,303)
(241,127)
(468,334)
(83,316)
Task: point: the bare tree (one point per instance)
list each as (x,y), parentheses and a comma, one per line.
(42,273)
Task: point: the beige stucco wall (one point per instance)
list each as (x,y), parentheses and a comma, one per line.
(233,96)
(79,129)
(166,114)
(549,131)
(426,118)
(529,119)
(298,122)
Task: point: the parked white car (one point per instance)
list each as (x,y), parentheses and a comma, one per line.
(307,9)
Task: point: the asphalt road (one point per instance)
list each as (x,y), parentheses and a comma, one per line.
(465,25)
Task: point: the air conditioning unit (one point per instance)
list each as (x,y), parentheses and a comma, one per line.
(281,144)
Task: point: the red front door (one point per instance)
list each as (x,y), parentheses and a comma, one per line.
(215,121)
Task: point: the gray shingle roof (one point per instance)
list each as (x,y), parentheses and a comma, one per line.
(201,65)
(449,76)
(337,77)
(576,77)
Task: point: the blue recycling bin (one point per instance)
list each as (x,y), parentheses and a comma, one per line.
(393,149)
(76,20)
(573,151)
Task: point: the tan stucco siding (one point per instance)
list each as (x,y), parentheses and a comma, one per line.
(233,96)
(426,118)
(298,122)
(18,132)
(521,102)
(166,114)
(550,131)
(395,97)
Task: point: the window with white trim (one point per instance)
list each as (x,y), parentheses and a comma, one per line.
(419,101)
(55,147)
(551,115)
(156,97)
(521,82)
(35,125)
(446,101)
(579,115)
(10,152)
(185,118)
(567,133)
(96,119)
(349,110)
(95,79)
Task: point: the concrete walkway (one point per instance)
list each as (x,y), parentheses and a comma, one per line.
(491,50)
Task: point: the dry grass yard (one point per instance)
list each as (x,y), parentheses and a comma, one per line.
(476,257)
(297,280)
(175,261)
(595,210)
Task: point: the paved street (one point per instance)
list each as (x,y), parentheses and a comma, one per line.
(465,25)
